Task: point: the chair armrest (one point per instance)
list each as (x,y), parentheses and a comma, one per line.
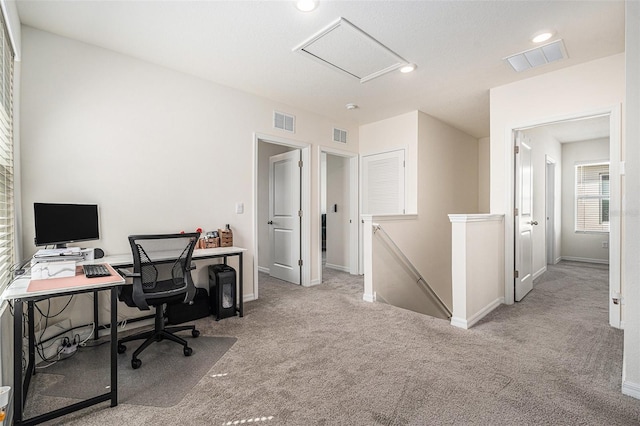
(127,273)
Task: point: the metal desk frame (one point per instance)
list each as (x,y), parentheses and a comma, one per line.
(22,387)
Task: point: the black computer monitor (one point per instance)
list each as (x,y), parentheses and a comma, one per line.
(60,224)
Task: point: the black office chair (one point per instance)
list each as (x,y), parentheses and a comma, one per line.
(161,275)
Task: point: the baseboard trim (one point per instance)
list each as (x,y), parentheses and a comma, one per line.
(264,269)
(248,297)
(468,323)
(585,260)
(315,282)
(540,272)
(337,267)
(631,389)
(459,322)
(368,298)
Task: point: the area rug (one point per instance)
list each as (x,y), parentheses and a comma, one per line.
(164,378)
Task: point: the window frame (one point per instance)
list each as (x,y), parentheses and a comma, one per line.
(600,197)
(7,187)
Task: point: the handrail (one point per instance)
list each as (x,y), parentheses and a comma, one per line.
(425,285)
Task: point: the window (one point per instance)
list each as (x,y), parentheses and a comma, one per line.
(592,197)
(7,255)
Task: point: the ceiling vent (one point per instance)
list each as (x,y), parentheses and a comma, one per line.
(346,48)
(339,135)
(284,121)
(541,55)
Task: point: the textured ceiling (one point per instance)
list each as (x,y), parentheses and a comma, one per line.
(457,45)
(580,130)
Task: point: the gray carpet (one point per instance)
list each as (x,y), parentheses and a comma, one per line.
(87,374)
(323,356)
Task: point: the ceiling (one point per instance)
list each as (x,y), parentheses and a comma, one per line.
(579,130)
(458,47)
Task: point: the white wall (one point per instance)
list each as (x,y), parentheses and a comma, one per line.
(446,166)
(631,359)
(477,272)
(400,132)
(543,145)
(175,152)
(337,190)
(579,245)
(483,175)
(579,90)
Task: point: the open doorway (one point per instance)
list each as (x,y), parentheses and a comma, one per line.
(573,190)
(281,161)
(338,211)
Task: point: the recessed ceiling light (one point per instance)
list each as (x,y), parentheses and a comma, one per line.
(306,5)
(351,106)
(407,68)
(543,36)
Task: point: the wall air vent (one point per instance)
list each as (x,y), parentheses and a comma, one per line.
(284,121)
(541,55)
(346,48)
(339,135)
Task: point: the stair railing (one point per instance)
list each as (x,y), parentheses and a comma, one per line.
(422,283)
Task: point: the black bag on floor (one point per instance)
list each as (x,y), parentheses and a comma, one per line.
(183,312)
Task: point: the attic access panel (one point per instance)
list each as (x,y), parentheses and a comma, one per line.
(348,49)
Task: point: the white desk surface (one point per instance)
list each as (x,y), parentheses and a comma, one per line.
(127,259)
(18,288)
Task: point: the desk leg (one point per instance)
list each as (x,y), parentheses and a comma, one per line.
(96,325)
(32,346)
(114,346)
(17,361)
(241,286)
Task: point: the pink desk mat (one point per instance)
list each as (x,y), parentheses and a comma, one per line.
(72,282)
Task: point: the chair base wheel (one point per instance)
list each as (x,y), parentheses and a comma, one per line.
(122,349)
(136,363)
(187,351)
(195,333)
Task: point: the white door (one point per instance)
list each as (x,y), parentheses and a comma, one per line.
(284,218)
(523,219)
(550,231)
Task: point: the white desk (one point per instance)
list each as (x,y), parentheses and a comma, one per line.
(24,290)
(126,260)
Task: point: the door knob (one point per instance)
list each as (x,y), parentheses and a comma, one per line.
(534,222)
(270,222)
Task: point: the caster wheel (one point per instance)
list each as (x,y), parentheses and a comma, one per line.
(122,349)
(195,333)
(187,351)
(136,363)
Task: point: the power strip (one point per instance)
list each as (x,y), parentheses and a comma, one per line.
(69,349)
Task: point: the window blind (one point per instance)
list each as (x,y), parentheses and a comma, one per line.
(592,197)
(7,254)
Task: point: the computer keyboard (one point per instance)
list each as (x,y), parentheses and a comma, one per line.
(94,271)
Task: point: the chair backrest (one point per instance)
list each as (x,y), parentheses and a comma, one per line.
(162,268)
